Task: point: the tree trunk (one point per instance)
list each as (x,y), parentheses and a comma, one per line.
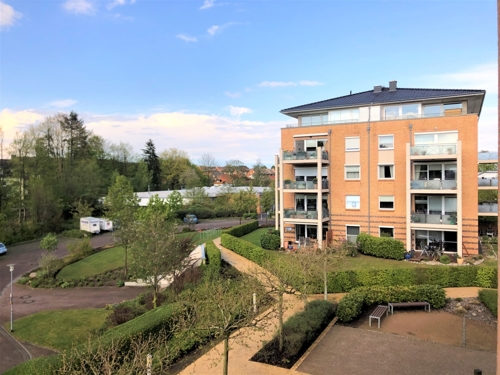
(154,297)
(325,279)
(280,321)
(126,268)
(240,220)
(226,355)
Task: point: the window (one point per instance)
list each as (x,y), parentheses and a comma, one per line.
(352,143)
(386,172)
(352,232)
(344,115)
(386,202)
(385,142)
(352,202)
(401,111)
(386,231)
(440,138)
(352,172)
(447,109)
(314,120)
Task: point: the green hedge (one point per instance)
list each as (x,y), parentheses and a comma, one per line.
(352,304)
(270,241)
(381,247)
(244,248)
(490,298)
(243,229)
(213,261)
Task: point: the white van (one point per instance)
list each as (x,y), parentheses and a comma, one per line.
(105,224)
(90,224)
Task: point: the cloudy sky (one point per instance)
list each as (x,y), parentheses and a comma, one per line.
(210,76)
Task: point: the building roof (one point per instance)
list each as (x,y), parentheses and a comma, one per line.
(384,96)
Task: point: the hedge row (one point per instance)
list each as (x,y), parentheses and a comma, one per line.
(352,304)
(243,229)
(244,248)
(490,299)
(381,247)
(213,262)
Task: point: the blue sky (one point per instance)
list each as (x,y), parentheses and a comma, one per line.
(210,76)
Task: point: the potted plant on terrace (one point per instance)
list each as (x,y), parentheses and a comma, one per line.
(460,260)
(288,184)
(315,183)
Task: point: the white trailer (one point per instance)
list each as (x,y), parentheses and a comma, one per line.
(106,224)
(90,224)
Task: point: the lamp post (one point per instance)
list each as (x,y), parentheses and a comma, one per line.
(11,267)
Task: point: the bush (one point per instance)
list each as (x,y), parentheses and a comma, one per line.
(445,259)
(214,261)
(352,304)
(80,249)
(270,241)
(381,247)
(187,230)
(243,229)
(490,299)
(244,248)
(73,233)
(250,215)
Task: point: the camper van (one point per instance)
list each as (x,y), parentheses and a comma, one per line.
(105,224)
(90,224)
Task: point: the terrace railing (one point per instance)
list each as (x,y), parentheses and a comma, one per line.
(488,207)
(433,184)
(291,213)
(439,219)
(487,182)
(304,155)
(306,185)
(434,149)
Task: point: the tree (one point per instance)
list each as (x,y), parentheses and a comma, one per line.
(174,163)
(244,201)
(189,179)
(267,199)
(142,177)
(121,204)
(207,165)
(237,171)
(174,203)
(196,196)
(49,242)
(331,254)
(260,177)
(76,136)
(153,163)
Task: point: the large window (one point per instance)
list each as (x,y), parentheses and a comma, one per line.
(401,111)
(314,120)
(386,172)
(440,138)
(352,232)
(344,115)
(386,202)
(435,172)
(385,142)
(352,143)
(386,231)
(352,172)
(352,202)
(447,109)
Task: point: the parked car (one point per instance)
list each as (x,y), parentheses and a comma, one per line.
(3,248)
(191,219)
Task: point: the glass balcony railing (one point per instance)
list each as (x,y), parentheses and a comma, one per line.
(434,149)
(487,156)
(439,219)
(304,155)
(488,207)
(291,213)
(487,182)
(433,184)
(306,185)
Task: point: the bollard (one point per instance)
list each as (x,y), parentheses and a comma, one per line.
(149,363)
(255,303)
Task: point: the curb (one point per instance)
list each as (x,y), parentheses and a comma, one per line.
(12,338)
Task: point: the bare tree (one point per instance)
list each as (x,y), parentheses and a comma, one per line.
(207,165)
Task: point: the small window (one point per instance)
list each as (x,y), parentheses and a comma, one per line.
(386,172)
(352,143)
(352,232)
(386,202)
(352,202)
(385,142)
(386,232)
(352,172)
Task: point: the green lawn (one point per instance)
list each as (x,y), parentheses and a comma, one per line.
(58,329)
(101,262)
(199,238)
(254,237)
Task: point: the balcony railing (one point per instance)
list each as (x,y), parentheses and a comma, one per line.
(291,213)
(434,149)
(488,207)
(303,155)
(487,156)
(433,184)
(487,181)
(306,185)
(439,219)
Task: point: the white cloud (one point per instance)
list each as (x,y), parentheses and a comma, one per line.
(310,83)
(186,38)
(207,4)
(8,15)
(11,121)
(238,111)
(116,3)
(63,103)
(233,95)
(213,29)
(79,7)
(276,84)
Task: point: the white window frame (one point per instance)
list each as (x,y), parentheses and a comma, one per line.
(353,208)
(385,227)
(387,209)
(352,165)
(386,148)
(393,171)
(347,235)
(352,149)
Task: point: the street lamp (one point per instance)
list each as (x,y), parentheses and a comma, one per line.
(11,266)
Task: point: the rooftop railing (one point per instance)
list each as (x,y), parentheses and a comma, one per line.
(487,181)
(433,184)
(434,149)
(304,155)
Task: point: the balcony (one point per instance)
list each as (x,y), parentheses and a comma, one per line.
(487,157)
(487,182)
(291,213)
(434,150)
(311,156)
(438,219)
(306,185)
(488,209)
(433,184)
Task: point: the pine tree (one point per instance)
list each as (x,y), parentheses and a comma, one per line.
(153,163)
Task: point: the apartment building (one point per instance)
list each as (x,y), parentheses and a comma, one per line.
(399,162)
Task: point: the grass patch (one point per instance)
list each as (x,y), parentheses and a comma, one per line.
(199,238)
(254,237)
(59,329)
(101,262)
(490,299)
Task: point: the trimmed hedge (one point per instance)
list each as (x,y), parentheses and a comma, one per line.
(214,260)
(352,304)
(270,241)
(244,248)
(381,247)
(243,229)
(490,299)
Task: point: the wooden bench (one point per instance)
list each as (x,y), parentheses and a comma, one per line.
(378,313)
(427,306)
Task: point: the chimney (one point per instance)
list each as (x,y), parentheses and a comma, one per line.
(377,89)
(393,85)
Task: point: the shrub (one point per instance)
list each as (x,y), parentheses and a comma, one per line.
(80,249)
(244,248)
(250,215)
(486,277)
(73,233)
(490,299)
(187,230)
(270,241)
(49,242)
(120,283)
(352,304)
(213,258)
(445,259)
(243,229)
(381,247)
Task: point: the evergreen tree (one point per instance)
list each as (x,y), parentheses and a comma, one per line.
(153,163)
